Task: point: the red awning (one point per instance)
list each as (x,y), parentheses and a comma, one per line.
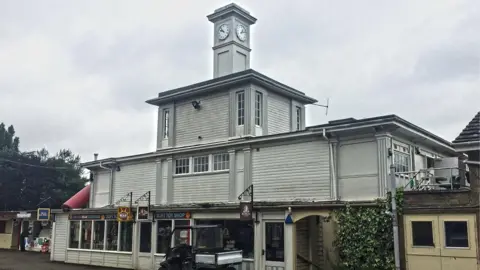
(78,200)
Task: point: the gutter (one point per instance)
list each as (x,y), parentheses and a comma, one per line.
(332,167)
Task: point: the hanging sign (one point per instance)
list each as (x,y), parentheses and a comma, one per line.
(246,211)
(172,215)
(142,213)
(24,215)
(124,214)
(43,214)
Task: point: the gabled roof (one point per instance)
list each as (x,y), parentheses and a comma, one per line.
(471,133)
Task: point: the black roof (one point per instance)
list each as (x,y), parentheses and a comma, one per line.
(471,133)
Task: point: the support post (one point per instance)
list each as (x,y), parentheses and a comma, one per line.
(396,241)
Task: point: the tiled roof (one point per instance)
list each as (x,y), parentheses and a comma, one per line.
(471,133)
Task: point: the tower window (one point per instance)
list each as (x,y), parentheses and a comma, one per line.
(299,117)
(240,108)
(258,108)
(166,115)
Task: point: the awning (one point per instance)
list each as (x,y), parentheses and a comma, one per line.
(78,200)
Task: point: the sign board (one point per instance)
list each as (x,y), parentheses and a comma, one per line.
(142,213)
(172,215)
(24,215)
(43,214)
(124,214)
(93,217)
(246,211)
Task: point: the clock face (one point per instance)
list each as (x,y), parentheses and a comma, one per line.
(241,32)
(223,31)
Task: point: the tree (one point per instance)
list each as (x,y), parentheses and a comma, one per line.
(29,180)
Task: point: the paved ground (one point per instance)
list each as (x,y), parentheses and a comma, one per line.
(16,260)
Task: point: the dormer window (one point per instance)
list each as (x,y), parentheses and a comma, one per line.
(299,117)
(166,115)
(240,108)
(258,108)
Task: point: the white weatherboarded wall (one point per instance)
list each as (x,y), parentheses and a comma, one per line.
(101,187)
(292,171)
(210,187)
(278,114)
(358,170)
(60,240)
(137,178)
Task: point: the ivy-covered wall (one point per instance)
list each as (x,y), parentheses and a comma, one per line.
(364,237)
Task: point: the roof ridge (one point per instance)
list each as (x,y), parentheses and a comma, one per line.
(471,132)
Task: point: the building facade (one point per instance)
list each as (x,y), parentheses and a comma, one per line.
(240,137)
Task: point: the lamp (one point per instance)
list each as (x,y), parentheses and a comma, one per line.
(196,104)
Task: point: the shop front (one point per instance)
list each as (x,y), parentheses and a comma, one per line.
(35,229)
(9,230)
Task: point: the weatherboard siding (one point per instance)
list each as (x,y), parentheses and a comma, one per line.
(60,241)
(210,122)
(138,178)
(278,114)
(101,188)
(208,187)
(100,258)
(292,171)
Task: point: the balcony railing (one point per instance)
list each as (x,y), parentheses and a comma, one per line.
(448,178)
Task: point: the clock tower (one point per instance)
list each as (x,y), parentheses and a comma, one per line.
(231,44)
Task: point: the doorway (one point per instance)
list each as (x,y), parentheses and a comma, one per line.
(144,246)
(274,245)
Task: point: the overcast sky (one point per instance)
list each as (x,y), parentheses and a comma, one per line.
(76,74)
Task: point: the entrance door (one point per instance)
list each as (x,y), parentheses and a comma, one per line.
(144,246)
(274,245)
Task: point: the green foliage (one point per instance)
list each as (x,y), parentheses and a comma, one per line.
(29,180)
(364,237)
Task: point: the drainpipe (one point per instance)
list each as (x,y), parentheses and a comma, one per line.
(332,166)
(110,195)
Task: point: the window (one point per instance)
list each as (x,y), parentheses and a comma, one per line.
(145,237)
(3,225)
(182,166)
(456,234)
(86,234)
(274,241)
(422,233)
(164,229)
(74,234)
(166,119)
(237,235)
(112,235)
(221,162)
(299,117)
(200,164)
(258,108)
(98,234)
(181,236)
(126,232)
(401,161)
(240,108)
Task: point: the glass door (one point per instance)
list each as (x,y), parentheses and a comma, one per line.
(144,247)
(274,245)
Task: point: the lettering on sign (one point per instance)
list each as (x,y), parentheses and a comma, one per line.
(172,215)
(43,214)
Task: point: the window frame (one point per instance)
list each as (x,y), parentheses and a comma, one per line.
(258,109)
(3,228)
(92,222)
(469,245)
(298,111)
(212,166)
(186,165)
(172,241)
(223,163)
(432,228)
(204,167)
(166,123)
(240,101)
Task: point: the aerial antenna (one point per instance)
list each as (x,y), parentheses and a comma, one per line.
(322,105)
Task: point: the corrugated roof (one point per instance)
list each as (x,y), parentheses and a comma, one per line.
(471,133)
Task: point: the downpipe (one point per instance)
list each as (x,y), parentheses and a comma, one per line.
(332,165)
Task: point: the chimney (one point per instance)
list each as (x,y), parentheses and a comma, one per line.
(95,156)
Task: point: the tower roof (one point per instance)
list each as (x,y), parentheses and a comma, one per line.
(471,133)
(227,10)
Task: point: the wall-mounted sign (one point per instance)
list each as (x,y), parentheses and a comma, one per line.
(93,217)
(43,214)
(245,211)
(142,213)
(24,215)
(124,214)
(172,215)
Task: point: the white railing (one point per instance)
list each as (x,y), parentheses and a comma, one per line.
(433,178)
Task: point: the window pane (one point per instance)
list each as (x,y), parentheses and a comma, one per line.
(126,231)
(86,235)
(182,236)
(200,164)
(163,234)
(274,246)
(456,234)
(112,235)
(182,165)
(240,108)
(166,119)
(258,108)
(221,162)
(74,233)
(145,237)
(299,117)
(98,234)
(422,233)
